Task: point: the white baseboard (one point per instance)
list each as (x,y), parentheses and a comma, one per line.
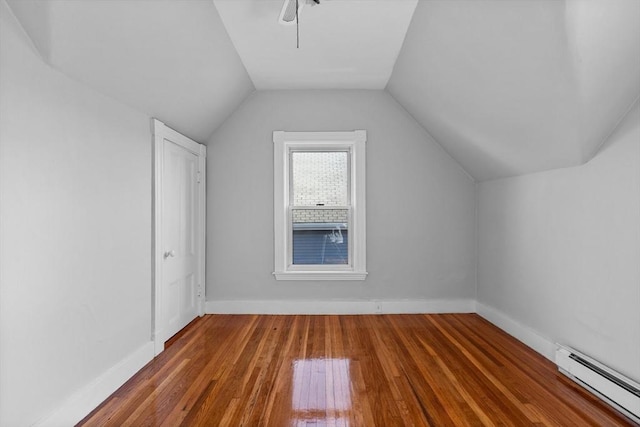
(339,306)
(528,336)
(81,403)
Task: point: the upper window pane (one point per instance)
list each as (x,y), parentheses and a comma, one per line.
(320,178)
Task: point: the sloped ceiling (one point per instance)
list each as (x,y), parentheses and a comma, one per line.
(172,60)
(506,87)
(343,44)
(513,87)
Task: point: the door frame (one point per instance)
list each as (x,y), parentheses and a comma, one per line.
(160,133)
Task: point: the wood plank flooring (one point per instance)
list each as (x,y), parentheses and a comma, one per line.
(378,370)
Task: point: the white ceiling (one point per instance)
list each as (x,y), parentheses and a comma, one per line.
(172,60)
(343,44)
(513,87)
(506,87)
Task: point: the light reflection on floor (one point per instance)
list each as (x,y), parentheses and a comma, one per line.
(321,392)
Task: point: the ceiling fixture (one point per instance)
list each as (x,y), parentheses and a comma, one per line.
(290,14)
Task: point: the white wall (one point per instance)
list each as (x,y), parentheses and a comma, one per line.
(420,204)
(559,251)
(75,211)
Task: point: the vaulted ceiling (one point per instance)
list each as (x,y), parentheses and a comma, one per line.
(343,44)
(172,60)
(514,87)
(506,87)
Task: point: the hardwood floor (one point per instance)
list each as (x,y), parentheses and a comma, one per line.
(382,370)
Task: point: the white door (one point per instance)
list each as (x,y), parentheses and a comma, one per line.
(179,232)
(179,223)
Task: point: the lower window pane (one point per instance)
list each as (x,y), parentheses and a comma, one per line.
(320,236)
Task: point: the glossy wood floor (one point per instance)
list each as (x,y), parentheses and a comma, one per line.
(384,370)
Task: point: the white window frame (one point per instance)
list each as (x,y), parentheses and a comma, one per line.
(284,144)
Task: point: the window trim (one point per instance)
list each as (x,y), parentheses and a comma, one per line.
(284,143)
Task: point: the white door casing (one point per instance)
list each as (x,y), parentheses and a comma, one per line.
(179,228)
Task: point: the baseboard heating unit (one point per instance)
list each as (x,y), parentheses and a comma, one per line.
(614,388)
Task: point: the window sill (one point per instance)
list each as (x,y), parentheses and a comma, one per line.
(320,275)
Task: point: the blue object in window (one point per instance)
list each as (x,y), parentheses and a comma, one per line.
(320,244)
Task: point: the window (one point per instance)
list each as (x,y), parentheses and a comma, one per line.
(319,205)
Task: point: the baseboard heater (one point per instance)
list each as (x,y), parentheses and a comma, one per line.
(619,391)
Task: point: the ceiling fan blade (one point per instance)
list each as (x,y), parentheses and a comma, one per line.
(288,13)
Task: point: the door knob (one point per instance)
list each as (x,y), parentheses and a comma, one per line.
(169,254)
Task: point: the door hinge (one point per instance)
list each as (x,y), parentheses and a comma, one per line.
(198,177)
